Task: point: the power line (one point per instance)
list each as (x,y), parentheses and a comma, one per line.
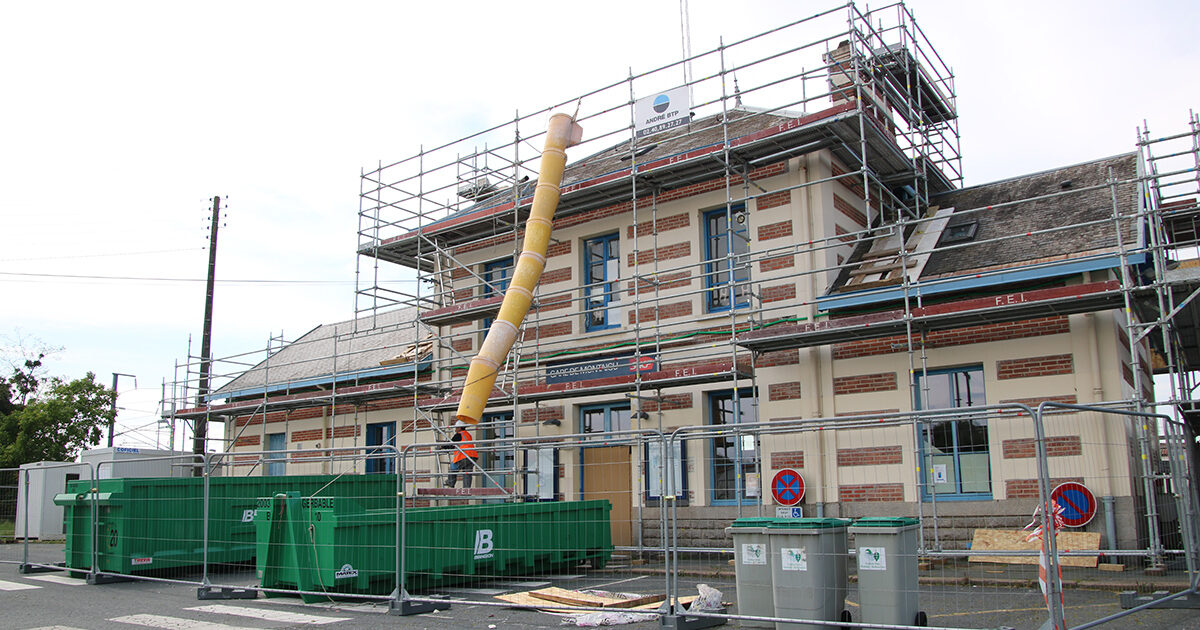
(109,255)
(188,280)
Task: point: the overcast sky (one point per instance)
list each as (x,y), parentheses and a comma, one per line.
(119,120)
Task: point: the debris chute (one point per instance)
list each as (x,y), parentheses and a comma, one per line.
(481,377)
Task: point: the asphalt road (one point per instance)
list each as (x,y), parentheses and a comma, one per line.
(57,601)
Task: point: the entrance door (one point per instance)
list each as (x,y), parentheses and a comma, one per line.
(606,476)
(607,473)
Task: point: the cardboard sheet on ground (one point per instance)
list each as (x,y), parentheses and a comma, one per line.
(1014,540)
(542,598)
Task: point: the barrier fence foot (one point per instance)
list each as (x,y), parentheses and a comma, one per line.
(680,620)
(405,607)
(26,569)
(209,592)
(1131,599)
(106,578)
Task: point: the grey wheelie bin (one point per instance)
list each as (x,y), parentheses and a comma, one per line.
(809,570)
(752,568)
(887,570)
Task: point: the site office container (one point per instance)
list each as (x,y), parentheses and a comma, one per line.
(151,524)
(328,545)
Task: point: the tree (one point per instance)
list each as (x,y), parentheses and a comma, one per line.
(50,419)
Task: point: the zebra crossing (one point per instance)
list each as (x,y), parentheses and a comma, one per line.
(204,617)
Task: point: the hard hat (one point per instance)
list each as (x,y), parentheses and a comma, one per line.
(459,424)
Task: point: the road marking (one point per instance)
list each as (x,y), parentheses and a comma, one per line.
(57,579)
(16,586)
(174,623)
(56,628)
(269,615)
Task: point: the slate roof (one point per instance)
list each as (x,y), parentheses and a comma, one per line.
(332,349)
(1031,207)
(1093,207)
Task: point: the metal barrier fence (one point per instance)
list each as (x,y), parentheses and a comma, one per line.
(593,523)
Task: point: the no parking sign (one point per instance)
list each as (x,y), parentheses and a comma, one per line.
(787,486)
(1077,502)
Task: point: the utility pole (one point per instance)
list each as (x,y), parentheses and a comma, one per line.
(112,424)
(200,435)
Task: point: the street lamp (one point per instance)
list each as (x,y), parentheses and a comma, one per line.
(112,424)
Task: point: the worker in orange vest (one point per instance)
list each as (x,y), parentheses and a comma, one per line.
(464,456)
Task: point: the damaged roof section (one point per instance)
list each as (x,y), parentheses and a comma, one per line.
(1053,223)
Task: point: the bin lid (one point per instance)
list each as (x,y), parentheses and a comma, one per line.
(886,521)
(753,522)
(808,523)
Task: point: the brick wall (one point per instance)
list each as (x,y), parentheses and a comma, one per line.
(861,383)
(669,402)
(248,440)
(462,345)
(872,492)
(852,213)
(778,357)
(778,292)
(775,230)
(560,248)
(1035,366)
(1058,446)
(773,200)
(542,414)
(959,336)
(666,252)
(777,262)
(1028,488)
(557,329)
(308,435)
(787,459)
(783,391)
(556,275)
(664,311)
(871,456)
(663,282)
(667,224)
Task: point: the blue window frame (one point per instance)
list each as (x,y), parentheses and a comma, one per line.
(599,420)
(601,272)
(276,462)
(954,451)
(734,465)
(498,462)
(726,272)
(381,434)
(496,276)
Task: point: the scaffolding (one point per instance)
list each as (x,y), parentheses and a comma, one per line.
(864,88)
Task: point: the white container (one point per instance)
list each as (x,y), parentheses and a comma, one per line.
(123,462)
(35,500)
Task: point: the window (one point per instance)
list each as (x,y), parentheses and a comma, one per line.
(734,457)
(381,434)
(601,271)
(599,420)
(955,452)
(498,462)
(276,465)
(496,276)
(726,272)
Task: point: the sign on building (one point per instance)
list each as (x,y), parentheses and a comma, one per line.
(660,112)
(602,368)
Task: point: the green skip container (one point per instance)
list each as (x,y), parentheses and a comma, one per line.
(148,525)
(339,547)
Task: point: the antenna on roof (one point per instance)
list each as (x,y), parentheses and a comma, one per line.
(737,93)
(685,38)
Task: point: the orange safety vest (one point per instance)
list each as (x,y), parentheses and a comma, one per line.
(466,448)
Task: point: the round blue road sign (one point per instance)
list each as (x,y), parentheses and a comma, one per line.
(1078,503)
(787,486)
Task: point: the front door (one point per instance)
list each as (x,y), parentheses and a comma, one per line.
(606,476)
(607,471)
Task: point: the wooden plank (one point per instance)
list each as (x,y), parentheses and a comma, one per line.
(1014,540)
(572,598)
(638,601)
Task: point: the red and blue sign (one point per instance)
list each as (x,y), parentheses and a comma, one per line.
(787,486)
(1077,502)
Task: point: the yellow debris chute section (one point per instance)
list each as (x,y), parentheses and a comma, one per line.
(563,132)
